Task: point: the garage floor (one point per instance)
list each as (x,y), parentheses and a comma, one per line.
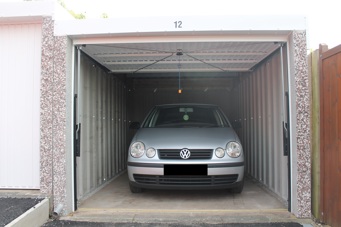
(115,203)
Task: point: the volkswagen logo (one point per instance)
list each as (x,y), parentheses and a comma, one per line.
(185,154)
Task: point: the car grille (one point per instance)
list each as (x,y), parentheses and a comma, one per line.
(186,180)
(175,154)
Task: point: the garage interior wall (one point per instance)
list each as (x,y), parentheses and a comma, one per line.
(145,91)
(261,113)
(20,105)
(254,100)
(102,114)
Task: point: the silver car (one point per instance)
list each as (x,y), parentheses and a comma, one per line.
(185,146)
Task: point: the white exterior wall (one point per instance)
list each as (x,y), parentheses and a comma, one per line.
(20,69)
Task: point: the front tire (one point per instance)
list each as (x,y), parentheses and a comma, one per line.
(134,189)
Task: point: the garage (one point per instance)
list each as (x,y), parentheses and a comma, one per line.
(98,76)
(250,70)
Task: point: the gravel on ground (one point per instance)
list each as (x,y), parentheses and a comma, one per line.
(11,208)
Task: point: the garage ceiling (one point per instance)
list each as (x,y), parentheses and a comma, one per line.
(180,56)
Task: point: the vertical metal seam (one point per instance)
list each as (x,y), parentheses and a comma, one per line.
(291,128)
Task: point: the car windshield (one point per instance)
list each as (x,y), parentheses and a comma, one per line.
(185,116)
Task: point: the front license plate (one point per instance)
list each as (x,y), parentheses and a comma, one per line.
(185,170)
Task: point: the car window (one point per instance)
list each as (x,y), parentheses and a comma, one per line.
(185,116)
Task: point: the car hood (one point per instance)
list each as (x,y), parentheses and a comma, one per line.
(178,138)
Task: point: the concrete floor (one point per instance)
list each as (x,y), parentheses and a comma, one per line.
(115,203)
(117,195)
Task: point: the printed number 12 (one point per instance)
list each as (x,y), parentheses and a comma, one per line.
(178,24)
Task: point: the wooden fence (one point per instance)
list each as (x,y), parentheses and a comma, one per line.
(326,137)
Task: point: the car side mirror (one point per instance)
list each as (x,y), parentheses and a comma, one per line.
(134,125)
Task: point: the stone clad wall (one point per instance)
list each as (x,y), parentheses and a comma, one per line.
(303,127)
(53,116)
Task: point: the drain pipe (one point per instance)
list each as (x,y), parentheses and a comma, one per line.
(58,210)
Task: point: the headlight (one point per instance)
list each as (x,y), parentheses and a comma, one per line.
(150,152)
(137,149)
(219,152)
(233,149)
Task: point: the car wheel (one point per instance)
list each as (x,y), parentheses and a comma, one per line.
(134,189)
(239,188)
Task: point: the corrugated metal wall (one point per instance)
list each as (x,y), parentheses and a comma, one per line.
(20,60)
(102,106)
(260,103)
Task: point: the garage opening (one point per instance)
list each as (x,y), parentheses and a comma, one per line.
(117,84)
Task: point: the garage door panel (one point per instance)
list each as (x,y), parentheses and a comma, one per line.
(20,104)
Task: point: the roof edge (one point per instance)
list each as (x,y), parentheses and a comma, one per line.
(25,10)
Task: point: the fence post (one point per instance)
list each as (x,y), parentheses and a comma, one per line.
(314,66)
(313,59)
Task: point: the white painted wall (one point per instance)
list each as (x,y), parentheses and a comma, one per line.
(20,64)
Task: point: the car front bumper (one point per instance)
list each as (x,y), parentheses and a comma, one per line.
(158,176)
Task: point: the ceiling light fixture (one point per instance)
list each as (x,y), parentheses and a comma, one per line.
(179,54)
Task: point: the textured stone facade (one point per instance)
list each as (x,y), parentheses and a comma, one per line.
(53,115)
(46,107)
(302,85)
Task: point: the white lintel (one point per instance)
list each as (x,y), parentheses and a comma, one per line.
(187,24)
